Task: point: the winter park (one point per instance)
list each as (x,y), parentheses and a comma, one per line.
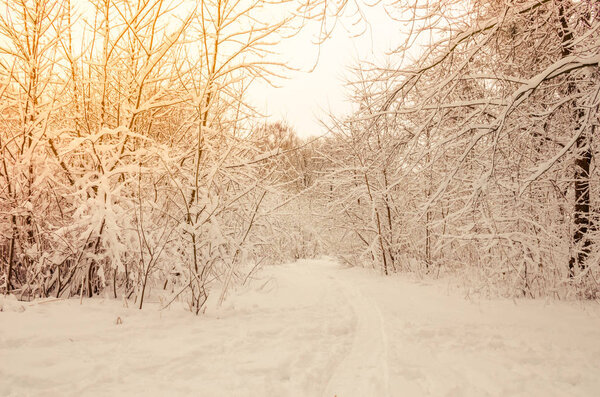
(304,198)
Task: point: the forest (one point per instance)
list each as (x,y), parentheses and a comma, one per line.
(133,163)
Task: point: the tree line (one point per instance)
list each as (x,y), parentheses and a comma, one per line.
(131,159)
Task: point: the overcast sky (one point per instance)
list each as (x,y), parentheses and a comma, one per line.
(306,97)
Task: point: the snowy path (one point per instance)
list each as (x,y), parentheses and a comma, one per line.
(364,369)
(306,329)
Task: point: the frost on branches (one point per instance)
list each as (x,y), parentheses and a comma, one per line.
(128,163)
(132,164)
(473,149)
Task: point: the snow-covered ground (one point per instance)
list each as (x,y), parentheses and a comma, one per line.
(311,328)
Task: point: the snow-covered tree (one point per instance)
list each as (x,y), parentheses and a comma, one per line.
(488,111)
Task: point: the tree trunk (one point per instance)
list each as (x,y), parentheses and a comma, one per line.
(581,242)
(11,254)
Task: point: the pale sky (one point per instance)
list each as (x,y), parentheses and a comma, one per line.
(306,97)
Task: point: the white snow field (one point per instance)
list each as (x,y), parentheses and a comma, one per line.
(311,328)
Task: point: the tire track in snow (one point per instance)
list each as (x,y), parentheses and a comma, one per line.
(364,370)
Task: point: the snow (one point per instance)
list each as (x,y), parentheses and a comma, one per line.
(312,328)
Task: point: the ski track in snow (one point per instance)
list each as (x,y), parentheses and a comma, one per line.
(311,328)
(364,370)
